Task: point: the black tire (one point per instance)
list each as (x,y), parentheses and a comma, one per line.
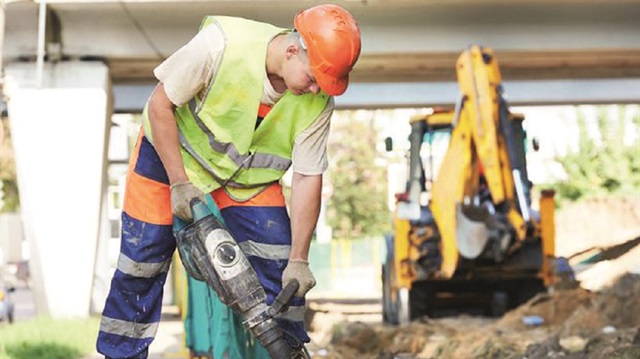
(421,299)
(528,289)
(499,303)
(389,307)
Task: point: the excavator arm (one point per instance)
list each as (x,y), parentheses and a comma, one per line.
(479,158)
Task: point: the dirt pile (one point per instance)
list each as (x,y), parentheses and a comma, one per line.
(599,320)
(596,222)
(576,323)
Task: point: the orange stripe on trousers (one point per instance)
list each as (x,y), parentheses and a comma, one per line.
(145,199)
(271,197)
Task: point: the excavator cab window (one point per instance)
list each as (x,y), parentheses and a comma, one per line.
(434,146)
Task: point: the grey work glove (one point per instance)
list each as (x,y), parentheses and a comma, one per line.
(181,195)
(299,269)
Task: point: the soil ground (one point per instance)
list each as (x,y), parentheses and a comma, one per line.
(598,319)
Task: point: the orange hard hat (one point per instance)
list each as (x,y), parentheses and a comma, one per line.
(332,38)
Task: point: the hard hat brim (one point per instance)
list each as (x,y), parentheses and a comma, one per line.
(331,85)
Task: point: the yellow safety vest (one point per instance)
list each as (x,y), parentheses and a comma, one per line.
(220,143)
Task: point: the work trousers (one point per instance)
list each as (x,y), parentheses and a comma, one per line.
(131,315)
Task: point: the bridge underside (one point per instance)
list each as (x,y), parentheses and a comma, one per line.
(546,49)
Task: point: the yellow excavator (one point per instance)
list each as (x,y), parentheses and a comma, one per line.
(466,236)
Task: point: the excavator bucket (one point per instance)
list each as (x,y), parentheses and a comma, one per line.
(471,235)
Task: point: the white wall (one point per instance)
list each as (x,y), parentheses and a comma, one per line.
(10,238)
(59,137)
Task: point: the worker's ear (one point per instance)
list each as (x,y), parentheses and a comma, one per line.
(292,50)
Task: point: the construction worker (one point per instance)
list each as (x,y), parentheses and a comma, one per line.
(234,108)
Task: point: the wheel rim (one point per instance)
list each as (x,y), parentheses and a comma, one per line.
(403,306)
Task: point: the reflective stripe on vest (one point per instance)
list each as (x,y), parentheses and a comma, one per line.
(249,160)
(221,146)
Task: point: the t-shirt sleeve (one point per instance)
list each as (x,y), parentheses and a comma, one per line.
(189,70)
(310,146)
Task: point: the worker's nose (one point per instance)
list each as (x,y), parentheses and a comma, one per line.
(314,88)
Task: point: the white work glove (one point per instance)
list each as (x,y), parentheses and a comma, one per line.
(299,269)
(181,195)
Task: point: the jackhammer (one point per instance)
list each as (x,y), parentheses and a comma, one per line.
(209,253)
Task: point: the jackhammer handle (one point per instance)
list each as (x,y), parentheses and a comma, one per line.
(281,302)
(199,210)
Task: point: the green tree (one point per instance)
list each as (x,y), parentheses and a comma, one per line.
(604,163)
(10,199)
(358,205)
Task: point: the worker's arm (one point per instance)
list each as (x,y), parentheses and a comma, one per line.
(164,132)
(185,73)
(305,208)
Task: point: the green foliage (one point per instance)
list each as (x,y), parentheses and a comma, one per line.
(604,164)
(11,201)
(42,350)
(9,187)
(46,338)
(358,204)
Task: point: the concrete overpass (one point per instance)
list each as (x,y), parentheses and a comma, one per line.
(68,65)
(565,51)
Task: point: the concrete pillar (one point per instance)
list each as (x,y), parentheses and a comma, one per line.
(60,132)
(10,239)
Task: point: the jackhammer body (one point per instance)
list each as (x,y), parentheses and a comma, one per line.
(209,253)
